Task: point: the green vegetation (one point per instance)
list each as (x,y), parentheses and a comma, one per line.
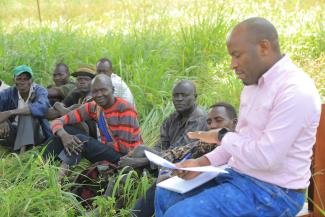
(152,44)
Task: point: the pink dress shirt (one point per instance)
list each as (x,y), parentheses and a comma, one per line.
(276,130)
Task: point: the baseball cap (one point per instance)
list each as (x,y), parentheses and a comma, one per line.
(21,69)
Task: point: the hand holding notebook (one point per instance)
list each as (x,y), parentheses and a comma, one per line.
(180,185)
(165,163)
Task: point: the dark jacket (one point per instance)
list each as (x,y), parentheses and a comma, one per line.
(173,132)
(38,104)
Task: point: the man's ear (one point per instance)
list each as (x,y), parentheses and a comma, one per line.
(265,47)
(234,122)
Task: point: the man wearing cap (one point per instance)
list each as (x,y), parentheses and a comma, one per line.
(62,84)
(78,96)
(105,66)
(22,108)
(3,85)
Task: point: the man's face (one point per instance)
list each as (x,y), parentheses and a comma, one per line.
(102,93)
(60,75)
(104,68)
(245,58)
(83,83)
(183,97)
(218,118)
(23,83)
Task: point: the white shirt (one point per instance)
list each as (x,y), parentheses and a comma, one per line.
(121,89)
(21,102)
(3,85)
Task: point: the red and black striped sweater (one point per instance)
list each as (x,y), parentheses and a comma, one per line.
(121,119)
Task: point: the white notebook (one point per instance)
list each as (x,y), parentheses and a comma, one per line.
(167,164)
(182,186)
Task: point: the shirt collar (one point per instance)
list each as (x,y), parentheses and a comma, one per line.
(274,71)
(187,117)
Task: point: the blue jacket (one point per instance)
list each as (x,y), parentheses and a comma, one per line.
(38,104)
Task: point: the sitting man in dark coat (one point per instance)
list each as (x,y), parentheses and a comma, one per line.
(188,116)
(62,84)
(220,115)
(22,108)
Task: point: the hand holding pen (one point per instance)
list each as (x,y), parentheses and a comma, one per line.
(187,174)
(199,162)
(169,172)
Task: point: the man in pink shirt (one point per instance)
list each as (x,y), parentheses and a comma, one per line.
(270,152)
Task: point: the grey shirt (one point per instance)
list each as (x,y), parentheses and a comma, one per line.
(174,129)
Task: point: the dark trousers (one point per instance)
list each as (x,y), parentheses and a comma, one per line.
(10,140)
(92,149)
(27,132)
(144,207)
(54,145)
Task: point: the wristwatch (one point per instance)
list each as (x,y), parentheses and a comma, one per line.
(222,133)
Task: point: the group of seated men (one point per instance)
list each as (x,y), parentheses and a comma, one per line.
(269,153)
(94,117)
(26,107)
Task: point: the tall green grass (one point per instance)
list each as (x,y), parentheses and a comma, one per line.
(152,44)
(30,188)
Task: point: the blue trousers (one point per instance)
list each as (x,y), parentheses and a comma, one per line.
(229,195)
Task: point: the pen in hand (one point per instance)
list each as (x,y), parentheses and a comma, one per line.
(171,172)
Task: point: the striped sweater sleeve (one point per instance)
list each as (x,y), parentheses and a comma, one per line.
(83,113)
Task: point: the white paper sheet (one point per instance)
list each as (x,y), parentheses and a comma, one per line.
(165,163)
(182,186)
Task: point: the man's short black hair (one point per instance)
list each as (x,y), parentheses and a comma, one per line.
(259,29)
(64,65)
(231,111)
(104,60)
(187,82)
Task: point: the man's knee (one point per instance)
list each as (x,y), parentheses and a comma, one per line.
(53,146)
(163,198)
(138,152)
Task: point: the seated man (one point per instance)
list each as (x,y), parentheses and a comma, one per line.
(3,85)
(187,117)
(117,122)
(270,152)
(220,115)
(105,66)
(62,84)
(22,108)
(78,96)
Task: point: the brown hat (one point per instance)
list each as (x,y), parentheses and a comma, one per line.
(84,70)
